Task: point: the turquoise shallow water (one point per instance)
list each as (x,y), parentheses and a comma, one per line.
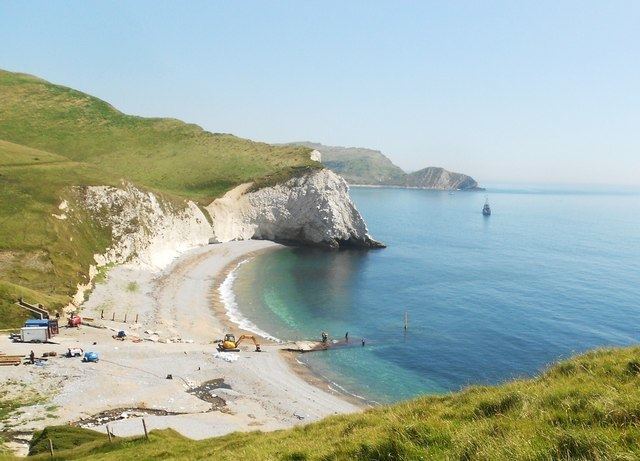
(551,273)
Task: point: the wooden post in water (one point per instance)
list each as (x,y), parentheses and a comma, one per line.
(144,426)
(51,448)
(406,320)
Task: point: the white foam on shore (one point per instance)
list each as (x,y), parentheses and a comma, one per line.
(335,387)
(228,297)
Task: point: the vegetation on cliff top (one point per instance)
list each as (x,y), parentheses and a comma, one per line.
(160,153)
(371,167)
(359,165)
(53,138)
(587,407)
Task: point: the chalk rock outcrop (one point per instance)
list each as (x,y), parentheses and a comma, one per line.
(314,209)
(145,228)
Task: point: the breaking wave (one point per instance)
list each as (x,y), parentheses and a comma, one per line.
(228,297)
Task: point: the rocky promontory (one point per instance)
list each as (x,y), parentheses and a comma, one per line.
(369,167)
(313,209)
(440,179)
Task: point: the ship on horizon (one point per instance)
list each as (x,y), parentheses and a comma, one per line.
(486,209)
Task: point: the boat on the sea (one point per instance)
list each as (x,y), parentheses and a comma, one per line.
(486,209)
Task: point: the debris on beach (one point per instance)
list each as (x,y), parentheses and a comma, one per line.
(119,414)
(226,357)
(207,391)
(299,415)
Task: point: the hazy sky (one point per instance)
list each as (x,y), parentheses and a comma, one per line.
(505,91)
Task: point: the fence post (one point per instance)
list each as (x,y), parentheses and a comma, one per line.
(144,425)
(109,434)
(113,317)
(125,317)
(51,447)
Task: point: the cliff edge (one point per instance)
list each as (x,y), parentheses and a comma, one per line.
(313,209)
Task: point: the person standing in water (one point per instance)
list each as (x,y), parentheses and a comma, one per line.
(346,337)
(362,342)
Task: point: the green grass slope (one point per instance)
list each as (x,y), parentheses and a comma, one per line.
(585,408)
(53,138)
(359,165)
(42,258)
(159,153)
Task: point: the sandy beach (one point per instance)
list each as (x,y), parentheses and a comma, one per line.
(177,325)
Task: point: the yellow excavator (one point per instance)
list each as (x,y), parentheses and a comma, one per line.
(229,344)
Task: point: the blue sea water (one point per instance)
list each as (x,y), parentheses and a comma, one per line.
(549,274)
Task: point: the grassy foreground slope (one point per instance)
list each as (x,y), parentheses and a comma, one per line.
(160,153)
(587,407)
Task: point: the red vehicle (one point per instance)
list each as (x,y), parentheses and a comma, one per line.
(74,321)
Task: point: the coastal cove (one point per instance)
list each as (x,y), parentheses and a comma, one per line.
(550,274)
(260,391)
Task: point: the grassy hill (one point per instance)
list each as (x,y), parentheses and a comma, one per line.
(362,166)
(585,408)
(359,165)
(160,153)
(42,258)
(53,138)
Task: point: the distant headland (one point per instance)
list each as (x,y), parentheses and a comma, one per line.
(362,166)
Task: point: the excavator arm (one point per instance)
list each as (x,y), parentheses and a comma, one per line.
(230,344)
(251,337)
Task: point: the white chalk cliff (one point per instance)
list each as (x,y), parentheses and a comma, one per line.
(147,230)
(313,208)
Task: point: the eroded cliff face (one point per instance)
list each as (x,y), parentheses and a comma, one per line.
(145,229)
(312,209)
(150,231)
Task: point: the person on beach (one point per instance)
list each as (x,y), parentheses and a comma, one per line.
(32,357)
(324,337)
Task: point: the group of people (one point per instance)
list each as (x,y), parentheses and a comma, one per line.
(325,338)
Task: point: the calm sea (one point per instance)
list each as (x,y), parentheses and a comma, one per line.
(549,274)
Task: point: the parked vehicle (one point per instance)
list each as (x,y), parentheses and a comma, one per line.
(34,334)
(74,321)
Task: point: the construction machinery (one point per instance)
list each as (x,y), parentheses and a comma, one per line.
(229,343)
(74,321)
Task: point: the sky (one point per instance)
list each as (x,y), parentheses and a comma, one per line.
(511,91)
